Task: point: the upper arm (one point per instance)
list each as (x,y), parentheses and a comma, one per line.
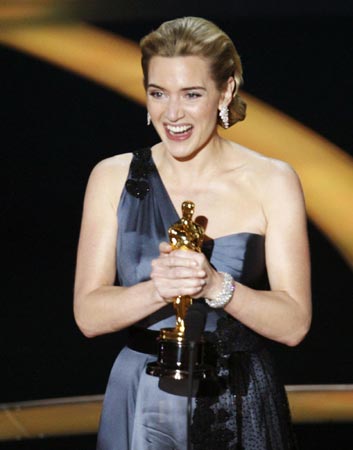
(287,248)
(96,260)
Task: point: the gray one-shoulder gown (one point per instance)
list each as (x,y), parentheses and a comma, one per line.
(249,410)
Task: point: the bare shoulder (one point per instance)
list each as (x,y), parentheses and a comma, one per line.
(113,165)
(282,181)
(279,186)
(111,169)
(280,173)
(109,176)
(268,173)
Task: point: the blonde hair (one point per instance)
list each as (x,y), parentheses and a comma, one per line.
(194,36)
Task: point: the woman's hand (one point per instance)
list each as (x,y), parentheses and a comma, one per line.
(183,272)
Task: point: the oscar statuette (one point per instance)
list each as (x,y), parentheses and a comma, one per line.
(173,355)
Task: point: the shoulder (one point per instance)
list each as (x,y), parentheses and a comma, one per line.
(273,182)
(280,179)
(109,175)
(113,165)
(278,174)
(268,173)
(112,169)
(279,188)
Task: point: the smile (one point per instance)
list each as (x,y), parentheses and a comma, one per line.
(178,129)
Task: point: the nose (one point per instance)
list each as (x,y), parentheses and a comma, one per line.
(174,110)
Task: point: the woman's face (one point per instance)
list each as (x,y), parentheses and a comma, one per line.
(183,102)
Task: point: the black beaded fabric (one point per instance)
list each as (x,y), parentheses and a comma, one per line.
(245,407)
(141,166)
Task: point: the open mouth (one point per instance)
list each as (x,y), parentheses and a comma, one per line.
(178,130)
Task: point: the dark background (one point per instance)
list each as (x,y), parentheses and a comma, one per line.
(55,126)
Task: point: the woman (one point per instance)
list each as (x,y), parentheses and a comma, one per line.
(256,224)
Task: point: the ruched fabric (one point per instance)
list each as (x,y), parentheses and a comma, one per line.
(246,406)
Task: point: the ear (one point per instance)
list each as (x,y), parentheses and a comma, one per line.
(227,93)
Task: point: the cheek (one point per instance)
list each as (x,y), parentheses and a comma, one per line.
(201,112)
(154,109)
(210,107)
(209,114)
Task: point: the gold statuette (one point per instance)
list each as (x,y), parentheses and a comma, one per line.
(174,351)
(186,235)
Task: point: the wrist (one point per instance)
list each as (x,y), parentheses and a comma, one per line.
(225,294)
(156,297)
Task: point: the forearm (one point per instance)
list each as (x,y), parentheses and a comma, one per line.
(112,308)
(273,314)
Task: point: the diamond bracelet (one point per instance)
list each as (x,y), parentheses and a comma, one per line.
(226,294)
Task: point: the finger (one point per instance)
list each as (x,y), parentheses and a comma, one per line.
(171,289)
(175,260)
(164,271)
(199,258)
(178,272)
(170,261)
(185,253)
(165,248)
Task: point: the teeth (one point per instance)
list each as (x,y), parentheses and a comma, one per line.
(178,129)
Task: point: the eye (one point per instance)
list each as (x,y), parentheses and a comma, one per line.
(155,94)
(191,95)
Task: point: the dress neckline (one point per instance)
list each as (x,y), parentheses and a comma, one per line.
(175,213)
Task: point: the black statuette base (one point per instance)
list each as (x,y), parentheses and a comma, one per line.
(173,361)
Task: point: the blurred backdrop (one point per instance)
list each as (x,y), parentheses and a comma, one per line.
(56,125)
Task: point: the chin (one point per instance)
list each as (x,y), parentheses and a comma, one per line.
(185,150)
(182,152)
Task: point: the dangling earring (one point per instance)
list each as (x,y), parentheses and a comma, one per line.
(224,115)
(148,118)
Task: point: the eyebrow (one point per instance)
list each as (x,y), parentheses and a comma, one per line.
(152,85)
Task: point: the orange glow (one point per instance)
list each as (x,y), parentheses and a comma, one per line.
(325,170)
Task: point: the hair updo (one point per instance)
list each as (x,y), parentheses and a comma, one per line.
(194,36)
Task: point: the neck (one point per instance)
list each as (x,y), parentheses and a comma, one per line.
(201,164)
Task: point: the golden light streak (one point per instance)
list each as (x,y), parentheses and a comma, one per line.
(20,12)
(80,415)
(325,170)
